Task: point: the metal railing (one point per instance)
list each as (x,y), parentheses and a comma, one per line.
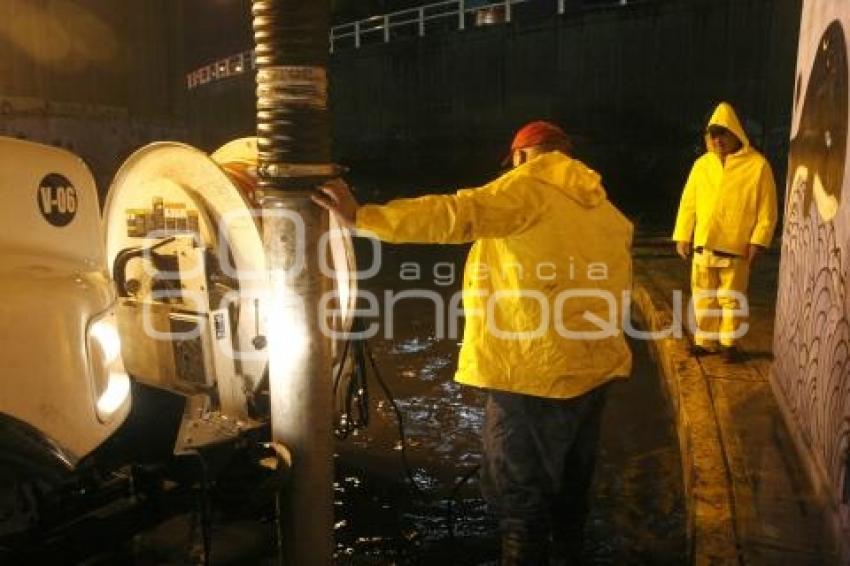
(412,21)
(419,18)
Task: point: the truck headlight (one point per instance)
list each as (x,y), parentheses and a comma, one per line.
(106,335)
(111,382)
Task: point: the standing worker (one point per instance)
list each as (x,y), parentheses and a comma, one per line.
(726,217)
(543,289)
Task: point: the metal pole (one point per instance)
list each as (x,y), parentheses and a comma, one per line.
(560,6)
(386,29)
(299,377)
(461,15)
(294,156)
(357,34)
(421,22)
(508,11)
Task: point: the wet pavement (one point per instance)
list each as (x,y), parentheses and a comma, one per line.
(638,507)
(637,514)
(754,502)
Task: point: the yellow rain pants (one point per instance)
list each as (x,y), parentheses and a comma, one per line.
(719,287)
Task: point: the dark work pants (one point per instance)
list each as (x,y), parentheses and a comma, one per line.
(538,462)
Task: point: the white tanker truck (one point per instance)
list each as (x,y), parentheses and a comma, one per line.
(139,337)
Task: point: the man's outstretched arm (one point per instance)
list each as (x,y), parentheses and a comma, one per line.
(493,211)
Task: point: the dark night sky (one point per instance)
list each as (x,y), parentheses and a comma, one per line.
(218,28)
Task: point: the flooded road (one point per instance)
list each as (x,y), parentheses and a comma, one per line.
(638,509)
(637,514)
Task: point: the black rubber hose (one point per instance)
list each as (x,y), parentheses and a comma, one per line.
(293,122)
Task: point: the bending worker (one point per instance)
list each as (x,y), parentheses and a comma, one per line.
(726,217)
(543,285)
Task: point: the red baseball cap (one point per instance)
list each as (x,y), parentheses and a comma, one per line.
(534,133)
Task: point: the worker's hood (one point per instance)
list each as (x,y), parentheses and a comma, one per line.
(724,115)
(568,175)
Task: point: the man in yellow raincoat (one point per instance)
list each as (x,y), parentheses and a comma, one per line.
(726,216)
(543,292)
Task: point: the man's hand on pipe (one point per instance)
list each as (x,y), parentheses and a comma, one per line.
(336,196)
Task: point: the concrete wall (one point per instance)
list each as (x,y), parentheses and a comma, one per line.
(98,76)
(634,85)
(104,136)
(812,337)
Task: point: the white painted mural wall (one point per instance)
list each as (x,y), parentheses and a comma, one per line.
(812,336)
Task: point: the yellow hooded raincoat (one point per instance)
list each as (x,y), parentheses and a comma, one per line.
(725,208)
(543,282)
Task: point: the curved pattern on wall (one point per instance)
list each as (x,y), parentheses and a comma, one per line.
(812,332)
(812,341)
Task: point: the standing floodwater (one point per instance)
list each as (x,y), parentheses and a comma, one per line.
(637,514)
(638,506)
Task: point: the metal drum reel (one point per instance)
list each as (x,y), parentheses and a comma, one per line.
(184,245)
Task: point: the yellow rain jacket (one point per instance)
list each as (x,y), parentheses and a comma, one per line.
(551,259)
(724,208)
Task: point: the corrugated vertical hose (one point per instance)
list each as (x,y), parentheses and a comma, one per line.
(293,125)
(294,153)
